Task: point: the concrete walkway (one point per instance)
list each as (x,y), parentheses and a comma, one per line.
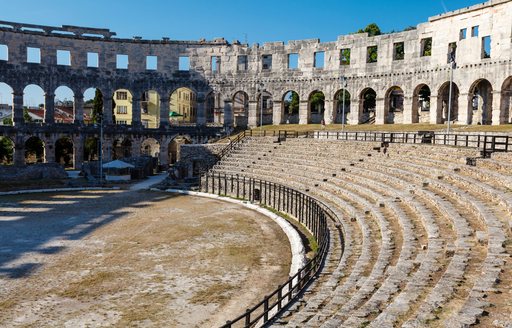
(152,180)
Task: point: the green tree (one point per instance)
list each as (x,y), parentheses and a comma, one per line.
(7,121)
(97,106)
(317,102)
(371,29)
(26,116)
(6,150)
(292,103)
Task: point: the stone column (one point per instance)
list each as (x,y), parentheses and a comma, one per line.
(136,111)
(201,110)
(107,146)
(78,153)
(380,115)
(228,113)
(19,151)
(164,154)
(498,114)
(17,110)
(465,112)
(253,113)
(328,111)
(107,110)
(436,110)
(49,108)
(49,151)
(277,112)
(164,112)
(79,109)
(135,150)
(408,110)
(353,118)
(304,111)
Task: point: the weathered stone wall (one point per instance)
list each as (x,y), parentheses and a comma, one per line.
(33,172)
(199,157)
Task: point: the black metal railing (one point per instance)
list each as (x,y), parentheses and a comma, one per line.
(309,211)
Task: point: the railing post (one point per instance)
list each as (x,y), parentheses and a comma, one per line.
(265,309)
(279,297)
(248,317)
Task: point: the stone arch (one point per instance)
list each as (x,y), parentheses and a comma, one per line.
(122,147)
(64,152)
(480,102)
(506,101)
(150,147)
(316,106)
(339,96)
(265,110)
(34,150)
(174,148)
(91,149)
(6,108)
(150,109)
(443,102)
(183,106)
(122,107)
(89,112)
(241,109)
(421,104)
(394,105)
(33,102)
(64,105)
(210,108)
(291,104)
(367,105)
(7,149)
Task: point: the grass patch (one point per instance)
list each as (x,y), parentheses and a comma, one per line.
(7,304)
(216,293)
(93,285)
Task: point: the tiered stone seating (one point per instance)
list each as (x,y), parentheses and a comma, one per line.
(425,235)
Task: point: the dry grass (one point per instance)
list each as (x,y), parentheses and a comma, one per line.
(219,293)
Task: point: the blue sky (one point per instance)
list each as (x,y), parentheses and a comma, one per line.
(252,21)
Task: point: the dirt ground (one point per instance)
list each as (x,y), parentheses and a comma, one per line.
(133,259)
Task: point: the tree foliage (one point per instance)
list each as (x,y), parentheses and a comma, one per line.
(317,102)
(97,106)
(371,29)
(292,103)
(6,150)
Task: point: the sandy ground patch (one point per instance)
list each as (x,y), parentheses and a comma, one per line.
(128,258)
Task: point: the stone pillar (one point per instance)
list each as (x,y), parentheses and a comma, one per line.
(201,110)
(253,113)
(380,111)
(436,110)
(19,151)
(136,111)
(135,150)
(505,105)
(107,110)
(465,112)
(49,151)
(164,154)
(497,112)
(49,108)
(277,112)
(78,153)
(408,110)
(107,146)
(79,109)
(328,111)
(164,112)
(353,118)
(304,111)
(17,111)
(228,113)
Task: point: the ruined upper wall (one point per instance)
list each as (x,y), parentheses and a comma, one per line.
(492,19)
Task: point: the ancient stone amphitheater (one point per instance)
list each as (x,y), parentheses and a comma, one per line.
(418,237)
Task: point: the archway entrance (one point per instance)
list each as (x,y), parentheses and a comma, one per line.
(34,150)
(64,152)
(183,106)
(291,103)
(480,102)
(421,104)
(394,105)
(316,105)
(6,151)
(506,101)
(241,109)
(339,101)
(367,104)
(442,102)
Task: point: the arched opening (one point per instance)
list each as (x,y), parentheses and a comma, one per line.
(174,148)
(91,149)
(265,110)
(64,152)
(316,106)
(122,148)
(34,150)
(443,103)
(421,104)
(367,104)
(506,101)
(93,105)
(33,104)
(6,151)
(480,102)
(241,109)
(394,105)
(183,106)
(150,147)
(6,104)
(291,103)
(150,109)
(64,105)
(210,108)
(122,107)
(341,98)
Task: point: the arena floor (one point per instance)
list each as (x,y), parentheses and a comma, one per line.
(126,258)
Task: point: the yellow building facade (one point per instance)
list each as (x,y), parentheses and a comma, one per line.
(183,102)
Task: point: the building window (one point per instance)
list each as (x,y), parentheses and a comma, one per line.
(122,122)
(293,61)
(122,109)
(93,59)
(122,61)
(242,63)
(266,61)
(4,52)
(398,51)
(345,56)
(319,59)
(121,95)
(452,51)
(63,57)
(184,63)
(426,47)
(371,54)
(462,33)
(486,47)
(215,63)
(151,63)
(33,55)
(474,31)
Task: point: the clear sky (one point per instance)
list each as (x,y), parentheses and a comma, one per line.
(245,20)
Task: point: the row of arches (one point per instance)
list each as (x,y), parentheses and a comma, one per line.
(64,150)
